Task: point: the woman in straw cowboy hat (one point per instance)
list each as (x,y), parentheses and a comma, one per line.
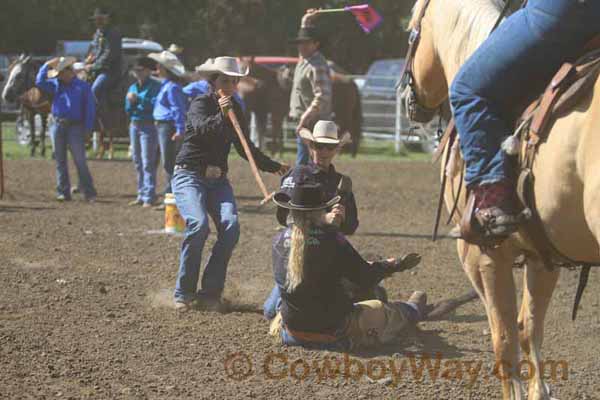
(311,262)
(323,144)
(169,110)
(74,111)
(201,186)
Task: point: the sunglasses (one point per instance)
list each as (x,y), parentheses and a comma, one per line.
(323,146)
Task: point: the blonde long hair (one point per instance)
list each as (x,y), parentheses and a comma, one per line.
(303,221)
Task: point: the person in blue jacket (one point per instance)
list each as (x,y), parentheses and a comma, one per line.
(139,106)
(169,111)
(74,112)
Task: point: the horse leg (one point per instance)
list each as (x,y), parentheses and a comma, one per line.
(43,134)
(491,276)
(100,139)
(111,151)
(538,286)
(261,128)
(277,133)
(32,141)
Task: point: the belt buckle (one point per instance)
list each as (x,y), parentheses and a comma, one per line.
(213,172)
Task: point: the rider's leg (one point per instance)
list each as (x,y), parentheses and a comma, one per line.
(511,67)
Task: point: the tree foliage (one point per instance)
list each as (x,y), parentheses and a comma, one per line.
(207,28)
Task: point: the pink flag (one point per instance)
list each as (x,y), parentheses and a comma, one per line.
(367,17)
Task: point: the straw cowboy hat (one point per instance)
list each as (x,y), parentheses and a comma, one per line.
(173,48)
(221,65)
(323,132)
(59,64)
(300,191)
(169,61)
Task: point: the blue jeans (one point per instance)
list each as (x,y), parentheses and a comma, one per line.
(302,154)
(273,302)
(197,198)
(144,145)
(507,71)
(168,150)
(100,88)
(71,135)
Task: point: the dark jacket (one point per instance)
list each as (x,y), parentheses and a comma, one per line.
(209,135)
(334,184)
(320,303)
(106,48)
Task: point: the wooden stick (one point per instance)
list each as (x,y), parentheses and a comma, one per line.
(257,177)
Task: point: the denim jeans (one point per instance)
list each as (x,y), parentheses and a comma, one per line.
(168,150)
(72,136)
(100,88)
(510,69)
(197,198)
(302,153)
(273,302)
(144,145)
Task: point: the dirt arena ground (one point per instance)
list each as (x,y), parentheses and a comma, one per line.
(85,302)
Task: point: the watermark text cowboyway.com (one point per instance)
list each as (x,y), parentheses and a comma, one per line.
(416,367)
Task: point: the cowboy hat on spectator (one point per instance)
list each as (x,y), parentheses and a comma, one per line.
(58,64)
(221,65)
(169,61)
(173,48)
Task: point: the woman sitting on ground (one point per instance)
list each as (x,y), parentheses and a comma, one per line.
(310,262)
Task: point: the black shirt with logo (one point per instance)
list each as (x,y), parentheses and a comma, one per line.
(320,303)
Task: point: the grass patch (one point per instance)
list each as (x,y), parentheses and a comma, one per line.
(372,150)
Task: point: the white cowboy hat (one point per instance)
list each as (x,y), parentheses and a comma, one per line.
(221,65)
(169,61)
(323,132)
(60,64)
(173,48)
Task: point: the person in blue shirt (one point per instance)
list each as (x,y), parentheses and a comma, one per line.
(169,110)
(202,86)
(74,112)
(139,106)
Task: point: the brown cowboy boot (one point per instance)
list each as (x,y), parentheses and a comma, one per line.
(497,210)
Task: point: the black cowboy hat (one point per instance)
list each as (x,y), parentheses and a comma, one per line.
(307,33)
(300,191)
(144,62)
(100,12)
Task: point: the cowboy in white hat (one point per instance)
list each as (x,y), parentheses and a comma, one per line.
(203,85)
(169,110)
(200,183)
(74,112)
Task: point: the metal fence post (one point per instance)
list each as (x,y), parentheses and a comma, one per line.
(398,127)
(1,159)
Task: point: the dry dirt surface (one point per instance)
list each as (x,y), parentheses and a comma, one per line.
(86,309)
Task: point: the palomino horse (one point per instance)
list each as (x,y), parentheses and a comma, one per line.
(20,86)
(566,187)
(345,103)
